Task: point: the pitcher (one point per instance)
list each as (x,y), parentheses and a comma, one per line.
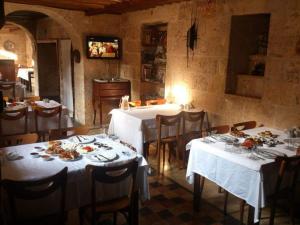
(124,104)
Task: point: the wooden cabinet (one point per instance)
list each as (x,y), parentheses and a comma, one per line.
(108,91)
(8,70)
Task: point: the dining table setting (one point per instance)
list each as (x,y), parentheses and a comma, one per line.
(16,126)
(240,162)
(39,160)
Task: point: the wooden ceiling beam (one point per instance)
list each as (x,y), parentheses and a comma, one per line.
(130,6)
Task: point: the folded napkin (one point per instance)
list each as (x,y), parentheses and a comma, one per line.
(49,104)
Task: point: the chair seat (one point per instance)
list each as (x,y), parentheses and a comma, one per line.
(110,206)
(168,139)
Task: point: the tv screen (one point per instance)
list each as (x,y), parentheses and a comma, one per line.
(103,47)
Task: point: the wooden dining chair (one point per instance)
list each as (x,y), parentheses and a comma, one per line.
(64,133)
(244,125)
(159,101)
(135,103)
(9,86)
(32,98)
(167,122)
(36,190)
(46,113)
(223,129)
(13,115)
(12,140)
(196,120)
(114,175)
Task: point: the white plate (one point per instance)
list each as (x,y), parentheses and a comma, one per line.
(82,139)
(292,141)
(71,160)
(104,156)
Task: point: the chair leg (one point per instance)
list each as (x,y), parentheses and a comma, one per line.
(81,217)
(115,218)
(272,214)
(225,202)
(242,210)
(164,157)
(158,158)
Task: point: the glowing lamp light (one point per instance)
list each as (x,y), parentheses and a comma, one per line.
(181,95)
(8,55)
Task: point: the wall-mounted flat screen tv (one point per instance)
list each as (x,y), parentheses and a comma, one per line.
(99,47)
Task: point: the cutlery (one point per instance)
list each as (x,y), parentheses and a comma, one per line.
(98,158)
(103,157)
(84,138)
(78,138)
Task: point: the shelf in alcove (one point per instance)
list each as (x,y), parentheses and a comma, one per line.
(153,82)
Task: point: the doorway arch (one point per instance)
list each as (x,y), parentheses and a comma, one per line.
(77,44)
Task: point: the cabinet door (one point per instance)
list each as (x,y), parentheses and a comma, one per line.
(7,68)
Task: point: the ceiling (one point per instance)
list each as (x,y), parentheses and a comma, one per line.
(93,7)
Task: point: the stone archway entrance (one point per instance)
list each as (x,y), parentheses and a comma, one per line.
(76,43)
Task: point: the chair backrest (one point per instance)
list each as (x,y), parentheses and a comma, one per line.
(135,103)
(163,121)
(34,190)
(46,113)
(112,175)
(159,101)
(244,125)
(67,132)
(32,98)
(8,86)
(195,118)
(223,129)
(12,140)
(15,115)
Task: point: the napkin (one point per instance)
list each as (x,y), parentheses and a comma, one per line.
(49,104)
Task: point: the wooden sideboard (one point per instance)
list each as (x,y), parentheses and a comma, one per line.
(108,91)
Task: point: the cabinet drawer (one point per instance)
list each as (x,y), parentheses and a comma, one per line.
(121,85)
(111,92)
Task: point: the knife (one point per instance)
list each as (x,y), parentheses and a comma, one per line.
(78,139)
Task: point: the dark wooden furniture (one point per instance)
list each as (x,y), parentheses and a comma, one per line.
(34,190)
(15,115)
(160,101)
(163,122)
(12,140)
(223,129)
(244,125)
(8,70)
(46,113)
(108,91)
(67,132)
(9,86)
(127,203)
(195,118)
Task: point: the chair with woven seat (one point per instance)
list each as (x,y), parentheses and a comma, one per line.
(67,132)
(163,123)
(46,113)
(33,191)
(12,140)
(244,125)
(191,129)
(14,115)
(112,175)
(9,86)
(159,101)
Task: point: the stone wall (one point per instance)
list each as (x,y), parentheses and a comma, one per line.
(22,49)
(204,78)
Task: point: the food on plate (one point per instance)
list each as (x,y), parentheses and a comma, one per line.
(238,133)
(55,150)
(69,155)
(267,134)
(46,157)
(86,149)
(249,143)
(54,143)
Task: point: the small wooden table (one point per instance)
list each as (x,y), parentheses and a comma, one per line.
(108,91)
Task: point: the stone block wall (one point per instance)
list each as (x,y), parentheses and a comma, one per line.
(205,75)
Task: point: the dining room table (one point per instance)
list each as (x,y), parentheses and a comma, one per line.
(248,174)
(137,125)
(17,126)
(26,162)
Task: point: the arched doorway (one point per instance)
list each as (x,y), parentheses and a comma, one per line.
(76,44)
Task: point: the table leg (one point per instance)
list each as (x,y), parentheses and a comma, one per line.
(251,215)
(197,195)
(100,111)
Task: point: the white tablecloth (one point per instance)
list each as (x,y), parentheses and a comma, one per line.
(138,125)
(45,124)
(251,180)
(23,73)
(78,189)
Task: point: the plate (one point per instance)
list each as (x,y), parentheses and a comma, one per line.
(71,160)
(106,156)
(269,154)
(292,141)
(82,139)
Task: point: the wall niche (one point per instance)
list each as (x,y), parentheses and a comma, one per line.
(247,55)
